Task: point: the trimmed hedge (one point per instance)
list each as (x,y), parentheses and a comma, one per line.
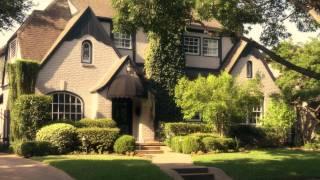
(182,129)
(96,123)
(62,136)
(191,144)
(33,148)
(175,143)
(97,139)
(218,144)
(248,135)
(29,114)
(124,144)
(204,135)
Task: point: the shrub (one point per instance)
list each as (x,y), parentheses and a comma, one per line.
(97,139)
(97,123)
(32,148)
(60,135)
(182,129)
(248,135)
(312,146)
(204,135)
(124,144)
(175,143)
(191,144)
(29,114)
(218,144)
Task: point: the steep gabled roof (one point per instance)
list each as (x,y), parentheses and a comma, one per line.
(84,22)
(41,29)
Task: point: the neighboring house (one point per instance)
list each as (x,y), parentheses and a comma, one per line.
(92,72)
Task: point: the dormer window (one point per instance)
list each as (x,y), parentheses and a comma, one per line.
(86,56)
(210,47)
(191,45)
(122,40)
(249,69)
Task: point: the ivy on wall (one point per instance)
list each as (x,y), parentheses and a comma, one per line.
(22,78)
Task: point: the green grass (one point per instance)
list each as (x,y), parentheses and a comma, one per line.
(276,164)
(100,167)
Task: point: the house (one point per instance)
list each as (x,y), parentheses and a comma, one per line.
(93,72)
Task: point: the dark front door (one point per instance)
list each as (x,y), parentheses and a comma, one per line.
(122,114)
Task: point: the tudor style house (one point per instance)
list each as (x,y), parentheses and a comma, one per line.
(93,72)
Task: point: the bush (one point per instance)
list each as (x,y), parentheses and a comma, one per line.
(204,135)
(218,144)
(30,113)
(97,139)
(60,135)
(97,123)
(32,148)
(191,144)
(124,144)
(312,146)
(182,129)
(248,135)
(175,143)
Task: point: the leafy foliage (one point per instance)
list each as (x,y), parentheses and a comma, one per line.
(97,123)
(61,136)
(279,117)
(218,144)
(182,129)
(97,139)
(29,114)
(32,148)
(124,144)
(219,99)
(191,144)
(12,12)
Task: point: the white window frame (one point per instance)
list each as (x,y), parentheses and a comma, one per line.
(191,43)
(210,51)
(122,40)
(56,114)
(255,114)
(86,60)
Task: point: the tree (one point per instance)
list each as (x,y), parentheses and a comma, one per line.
(12,11)
(219,99)
(301,91)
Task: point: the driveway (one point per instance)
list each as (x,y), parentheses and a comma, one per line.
(13,167)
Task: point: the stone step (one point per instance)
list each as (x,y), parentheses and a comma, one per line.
(191,170)
(150,144)
(198,176)
(139,147)
(149,151)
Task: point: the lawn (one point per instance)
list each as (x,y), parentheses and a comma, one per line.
(100,167)
(282,164)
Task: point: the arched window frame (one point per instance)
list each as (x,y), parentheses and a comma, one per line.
(83,51)
(249,69)
(64,109)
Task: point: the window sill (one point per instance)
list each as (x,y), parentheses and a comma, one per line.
(87,65)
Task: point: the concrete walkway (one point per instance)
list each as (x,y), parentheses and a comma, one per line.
(13,167)
(168,161)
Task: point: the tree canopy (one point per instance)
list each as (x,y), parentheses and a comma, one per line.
(12,11)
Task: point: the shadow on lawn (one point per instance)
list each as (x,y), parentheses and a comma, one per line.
(82,169)
(286,165)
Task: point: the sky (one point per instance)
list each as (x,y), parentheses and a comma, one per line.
(254,34)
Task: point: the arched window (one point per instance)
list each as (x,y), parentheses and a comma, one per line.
(249,69)
(66,106)
(86,54)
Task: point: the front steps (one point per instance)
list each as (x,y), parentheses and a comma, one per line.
(195,173)
(149,148)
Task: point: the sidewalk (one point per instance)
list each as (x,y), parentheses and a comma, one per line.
(13,167)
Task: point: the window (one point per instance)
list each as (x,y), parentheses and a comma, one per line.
(13,49)
(249,69)
(256,114)
(66,106)
(210,47)
(86,56)
(191,45)
(122,40)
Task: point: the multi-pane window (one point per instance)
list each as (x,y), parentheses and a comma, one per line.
(86,54)
(122,40)
(13,49)
(249,69)
(191,45)
(66,106)
(210,47)
(256,114)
